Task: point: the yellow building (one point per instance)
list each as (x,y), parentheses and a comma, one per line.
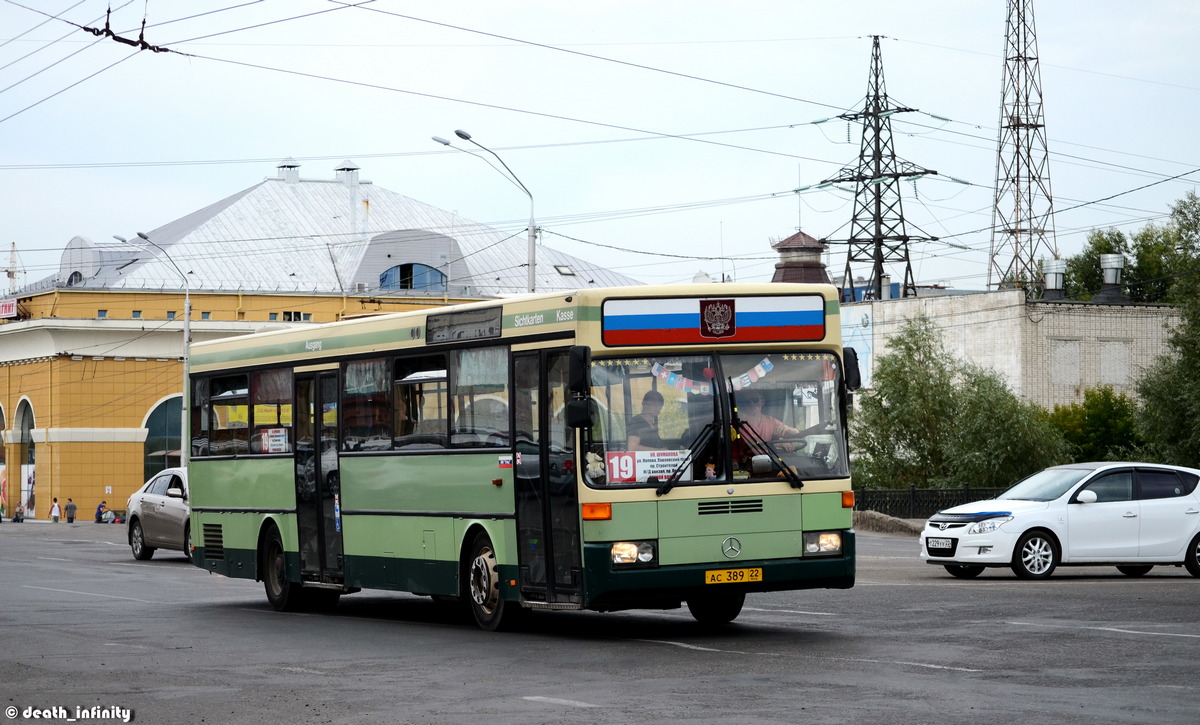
(91,358)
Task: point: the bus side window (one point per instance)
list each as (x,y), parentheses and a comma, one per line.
(366,405)
(420,382)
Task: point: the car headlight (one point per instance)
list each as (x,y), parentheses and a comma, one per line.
(987,526)
(630,553)
(817,543)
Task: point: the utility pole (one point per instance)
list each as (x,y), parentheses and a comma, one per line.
(1023,212)
(878,233)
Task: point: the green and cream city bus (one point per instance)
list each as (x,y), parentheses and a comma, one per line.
(606,449)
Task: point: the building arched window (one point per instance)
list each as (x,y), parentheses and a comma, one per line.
(26,462)
(412,276)
(162,437)
(4,507)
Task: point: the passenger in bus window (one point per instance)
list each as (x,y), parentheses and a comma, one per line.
(642,434)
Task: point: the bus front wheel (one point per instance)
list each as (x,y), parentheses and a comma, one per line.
(716,608)
(284,596)
(490,610)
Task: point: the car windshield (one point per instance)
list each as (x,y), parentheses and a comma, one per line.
(1045,485)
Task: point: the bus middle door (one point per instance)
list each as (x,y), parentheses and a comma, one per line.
(318,483)
(547,505)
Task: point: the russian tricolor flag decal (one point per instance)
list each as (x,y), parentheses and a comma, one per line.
(655,321)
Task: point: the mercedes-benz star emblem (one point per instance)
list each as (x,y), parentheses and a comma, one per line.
(731,547)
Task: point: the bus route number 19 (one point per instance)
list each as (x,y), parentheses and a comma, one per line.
(622,467)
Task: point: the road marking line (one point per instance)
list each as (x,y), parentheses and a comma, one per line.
(690,646)
(557,701)
(909,664)
(789,611)
(51,558)
(1107,629)
(92,594)
(926,665)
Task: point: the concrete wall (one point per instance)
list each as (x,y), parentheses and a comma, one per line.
(1048,352)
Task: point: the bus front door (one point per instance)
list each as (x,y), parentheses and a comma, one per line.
(547,500)
(318,491)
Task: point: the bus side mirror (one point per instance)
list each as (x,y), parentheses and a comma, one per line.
(579,413)
(850,366)
(579,370)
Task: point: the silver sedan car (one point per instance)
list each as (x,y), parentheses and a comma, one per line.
(157,515)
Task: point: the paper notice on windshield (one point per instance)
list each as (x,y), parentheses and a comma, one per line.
(639,466)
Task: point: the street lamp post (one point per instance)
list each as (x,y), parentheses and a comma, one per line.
(532,251)
(184,446)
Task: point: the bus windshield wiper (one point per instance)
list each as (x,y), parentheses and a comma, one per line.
(758,445)
(699,443)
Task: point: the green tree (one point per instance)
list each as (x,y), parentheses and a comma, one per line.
(1169,413)
(1161,262)
(934,421)
(1101,428)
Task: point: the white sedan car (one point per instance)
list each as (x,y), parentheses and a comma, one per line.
(1131,515)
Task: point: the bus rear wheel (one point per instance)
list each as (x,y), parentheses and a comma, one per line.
(284,596)
(717,608)
(490,610)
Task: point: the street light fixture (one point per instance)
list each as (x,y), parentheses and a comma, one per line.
(532,251)
(187,342)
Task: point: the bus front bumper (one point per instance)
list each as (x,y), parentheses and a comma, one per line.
(608,587)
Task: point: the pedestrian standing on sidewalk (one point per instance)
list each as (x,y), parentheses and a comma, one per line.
(55,511)
(71,509)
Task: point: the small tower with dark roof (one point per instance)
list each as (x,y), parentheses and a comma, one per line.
(800,260)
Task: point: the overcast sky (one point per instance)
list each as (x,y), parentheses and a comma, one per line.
(662,138)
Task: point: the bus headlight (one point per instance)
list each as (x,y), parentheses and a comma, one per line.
(818,543)
(626,553)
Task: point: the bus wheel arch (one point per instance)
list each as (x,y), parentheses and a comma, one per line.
(284,595)
(480,583)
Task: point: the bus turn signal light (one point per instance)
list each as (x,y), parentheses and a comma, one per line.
(847,499)
(597,512)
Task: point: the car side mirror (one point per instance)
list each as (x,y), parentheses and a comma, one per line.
(174,492)
(1086,496)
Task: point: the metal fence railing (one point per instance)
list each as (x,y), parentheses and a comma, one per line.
(918,503)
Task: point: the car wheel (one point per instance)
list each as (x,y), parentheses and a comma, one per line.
(1035,555)
(962,571)
(713,610)
(187,542)
(137,542)
(1134,570)
(284,595)
(490,610)
(1192,557)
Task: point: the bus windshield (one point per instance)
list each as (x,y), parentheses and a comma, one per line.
(704,417)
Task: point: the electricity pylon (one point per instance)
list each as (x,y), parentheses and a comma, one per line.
(878,233)
(1023,213)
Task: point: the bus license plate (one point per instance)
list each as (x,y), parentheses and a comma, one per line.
(732,576)
(938,543)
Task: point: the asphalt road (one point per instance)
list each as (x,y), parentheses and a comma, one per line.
(83,625)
